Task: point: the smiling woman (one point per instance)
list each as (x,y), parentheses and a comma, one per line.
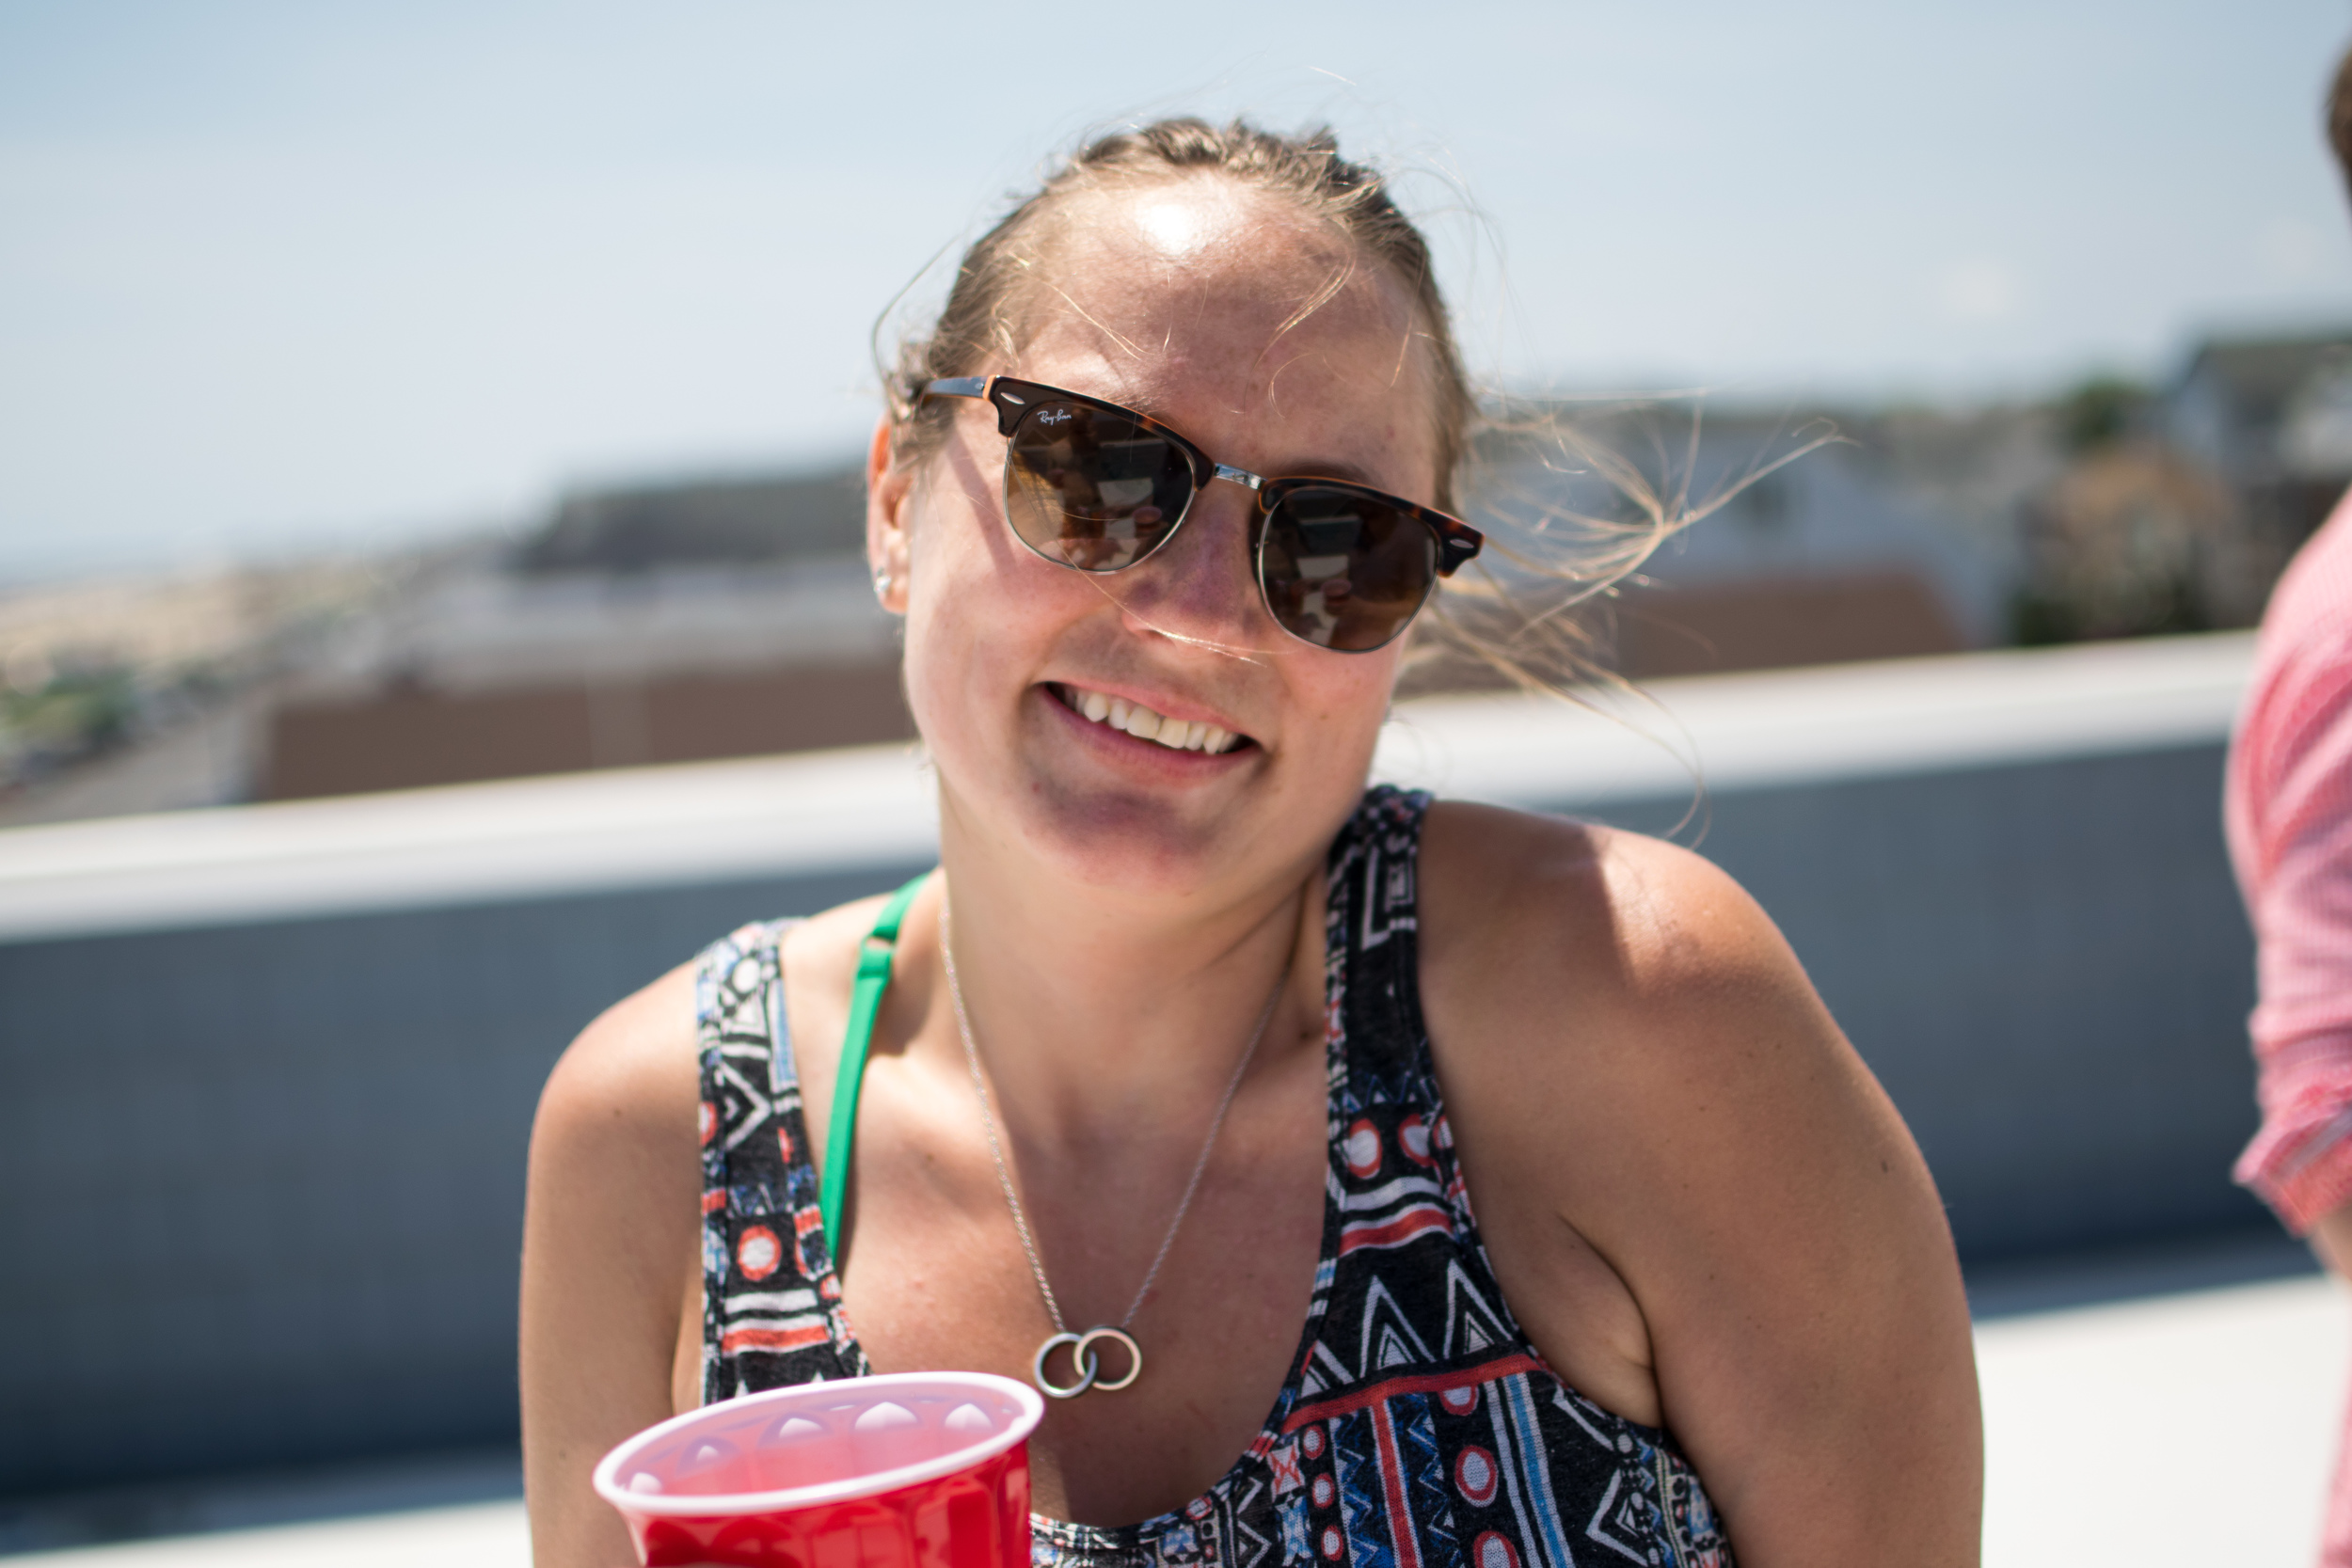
(1366,1177)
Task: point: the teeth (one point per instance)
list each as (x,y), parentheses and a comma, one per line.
(1176,735)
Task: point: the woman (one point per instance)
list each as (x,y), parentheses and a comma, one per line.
(1496,1186)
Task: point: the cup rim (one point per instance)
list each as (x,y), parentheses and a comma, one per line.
(606,1476)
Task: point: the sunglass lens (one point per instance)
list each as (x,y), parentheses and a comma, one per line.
(1344,570)
(1091,489)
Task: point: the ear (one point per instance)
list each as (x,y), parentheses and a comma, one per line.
(888,487)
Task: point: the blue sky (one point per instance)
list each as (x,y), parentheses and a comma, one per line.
(280,276)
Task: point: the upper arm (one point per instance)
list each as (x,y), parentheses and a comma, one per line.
(1635,1059)
(2291,820)
(609,1235)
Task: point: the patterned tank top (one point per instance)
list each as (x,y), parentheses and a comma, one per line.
(1419,1428)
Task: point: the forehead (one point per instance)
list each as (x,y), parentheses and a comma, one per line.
(1172,295)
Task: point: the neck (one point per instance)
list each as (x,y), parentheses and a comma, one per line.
(1097,1009)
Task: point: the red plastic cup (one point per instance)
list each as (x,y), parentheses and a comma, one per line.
(909,1470)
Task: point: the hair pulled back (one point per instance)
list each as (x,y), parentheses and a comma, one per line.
(1535,610)
(981,322)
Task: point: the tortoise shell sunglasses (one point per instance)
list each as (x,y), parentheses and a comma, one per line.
(1097,488)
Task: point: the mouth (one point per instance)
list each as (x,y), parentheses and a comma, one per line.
(1176,735)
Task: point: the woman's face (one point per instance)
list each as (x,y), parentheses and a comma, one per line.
(1195,302)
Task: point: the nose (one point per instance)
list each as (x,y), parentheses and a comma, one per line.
(1203,584)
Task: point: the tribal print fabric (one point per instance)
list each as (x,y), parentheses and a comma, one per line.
(1419,1427)
(772,1303)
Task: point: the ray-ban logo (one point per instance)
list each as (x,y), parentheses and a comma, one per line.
(1053,415)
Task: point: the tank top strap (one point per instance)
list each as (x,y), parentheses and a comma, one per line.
(1421,1423)
(1372,954)
(772,1301)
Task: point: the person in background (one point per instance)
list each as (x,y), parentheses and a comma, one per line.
(2288,808)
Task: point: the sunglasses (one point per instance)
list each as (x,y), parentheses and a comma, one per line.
(1094,486)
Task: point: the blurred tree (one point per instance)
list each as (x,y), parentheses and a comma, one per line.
(2122,545)
(2100,412)
(72,714)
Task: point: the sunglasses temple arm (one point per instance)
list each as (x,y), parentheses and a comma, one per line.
(985,387)
(1456,552)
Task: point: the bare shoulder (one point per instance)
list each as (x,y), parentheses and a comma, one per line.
(607,1238)
(614,1149)
(632,1071)
(612,1254)
(1641,1080)
(1628,993)
(1621,924)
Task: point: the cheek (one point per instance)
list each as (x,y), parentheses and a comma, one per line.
(980,610)
(958,627)
(1349,695)
(947,616)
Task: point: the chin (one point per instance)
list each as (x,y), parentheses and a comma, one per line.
(1129,841)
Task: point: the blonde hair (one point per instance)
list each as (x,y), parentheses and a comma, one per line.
(978,323)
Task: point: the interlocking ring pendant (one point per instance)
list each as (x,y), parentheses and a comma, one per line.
(1083,1362)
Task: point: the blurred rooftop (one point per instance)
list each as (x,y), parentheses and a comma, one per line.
(726,615)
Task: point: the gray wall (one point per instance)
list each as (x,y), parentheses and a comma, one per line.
(265,1183)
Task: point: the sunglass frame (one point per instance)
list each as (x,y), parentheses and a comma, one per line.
(1012,398)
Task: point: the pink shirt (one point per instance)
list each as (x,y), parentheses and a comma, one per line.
(2288,809)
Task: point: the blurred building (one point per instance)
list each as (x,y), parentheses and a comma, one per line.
(1808,538)
(2271,419)
(731,617)
(700,621)
(674,622)
(2179,507)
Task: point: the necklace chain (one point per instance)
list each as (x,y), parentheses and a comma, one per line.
(1013,1196)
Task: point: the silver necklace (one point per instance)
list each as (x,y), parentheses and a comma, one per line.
(1081,1346)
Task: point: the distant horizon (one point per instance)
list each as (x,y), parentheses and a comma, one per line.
(295,545)
(262,552)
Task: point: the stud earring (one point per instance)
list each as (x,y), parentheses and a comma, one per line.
(881,585)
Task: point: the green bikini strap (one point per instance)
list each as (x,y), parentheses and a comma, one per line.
(848,1073)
